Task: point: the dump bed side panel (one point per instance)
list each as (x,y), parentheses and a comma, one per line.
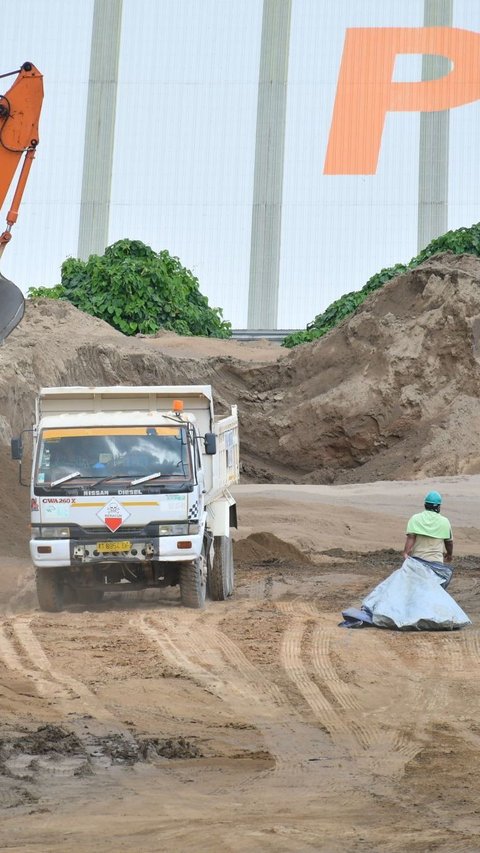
(223,469)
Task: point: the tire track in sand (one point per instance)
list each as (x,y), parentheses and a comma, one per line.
(292,659)
(341,716)
(71,696)
(12,660)
(215,663)
(323,667)
(420,665)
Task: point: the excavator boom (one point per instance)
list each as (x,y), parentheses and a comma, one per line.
(20,109)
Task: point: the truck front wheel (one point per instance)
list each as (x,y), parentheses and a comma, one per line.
(50,589)
(221,577)
(193,582)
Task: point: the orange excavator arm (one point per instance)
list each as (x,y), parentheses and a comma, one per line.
(19,115)
(20,109)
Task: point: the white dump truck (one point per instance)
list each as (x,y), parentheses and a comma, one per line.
(130,490)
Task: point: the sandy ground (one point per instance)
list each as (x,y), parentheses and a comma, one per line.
(198,347)
(257,724)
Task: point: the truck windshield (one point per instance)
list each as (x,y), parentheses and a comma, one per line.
(117,452)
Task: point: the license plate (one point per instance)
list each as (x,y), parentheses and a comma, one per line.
(109,547)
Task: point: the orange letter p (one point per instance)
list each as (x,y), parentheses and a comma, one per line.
(366,92)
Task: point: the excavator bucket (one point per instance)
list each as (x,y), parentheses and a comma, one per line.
(12,307)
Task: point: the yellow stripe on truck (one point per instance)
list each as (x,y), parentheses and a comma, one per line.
(75,432)
(139,503)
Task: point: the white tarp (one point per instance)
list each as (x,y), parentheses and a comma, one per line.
(413,597)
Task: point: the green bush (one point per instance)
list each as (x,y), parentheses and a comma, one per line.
(462,241)
(138,290)
(56,292)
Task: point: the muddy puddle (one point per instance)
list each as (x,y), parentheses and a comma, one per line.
(57,749)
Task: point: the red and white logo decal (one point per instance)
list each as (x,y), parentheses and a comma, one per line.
(113,515)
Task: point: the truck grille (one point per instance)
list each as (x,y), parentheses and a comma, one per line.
(124,532)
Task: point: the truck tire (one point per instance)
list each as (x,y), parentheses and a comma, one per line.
(221,573)
(50,589)
(193,583)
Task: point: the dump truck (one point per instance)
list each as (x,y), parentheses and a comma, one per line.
(130,489)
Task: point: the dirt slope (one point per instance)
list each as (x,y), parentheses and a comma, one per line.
(391,393)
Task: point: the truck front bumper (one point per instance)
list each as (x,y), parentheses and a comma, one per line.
(67,553)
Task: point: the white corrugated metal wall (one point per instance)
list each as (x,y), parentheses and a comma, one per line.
(55,36)
(185,145)
(339,230)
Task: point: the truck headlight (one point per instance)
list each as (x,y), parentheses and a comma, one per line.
(173,529)
(35,532)
(55,532)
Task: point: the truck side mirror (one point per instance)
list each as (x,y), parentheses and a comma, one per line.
(210,443)
(16,446)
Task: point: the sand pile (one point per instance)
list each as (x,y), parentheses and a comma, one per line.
(392,393)
(263,548)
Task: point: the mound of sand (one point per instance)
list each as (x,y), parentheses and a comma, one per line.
(265,547)
(392,393)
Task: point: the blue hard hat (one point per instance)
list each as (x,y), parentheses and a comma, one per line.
(434,498)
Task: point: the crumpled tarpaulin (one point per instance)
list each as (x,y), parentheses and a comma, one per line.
(413,597)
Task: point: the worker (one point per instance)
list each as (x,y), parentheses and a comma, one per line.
(429,534)
(415,596)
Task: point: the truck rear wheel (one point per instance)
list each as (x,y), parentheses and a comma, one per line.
(193,583)
(221,573)
(50,589)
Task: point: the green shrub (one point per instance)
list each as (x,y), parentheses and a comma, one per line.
(462,241)
(56,292)
(138,290)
